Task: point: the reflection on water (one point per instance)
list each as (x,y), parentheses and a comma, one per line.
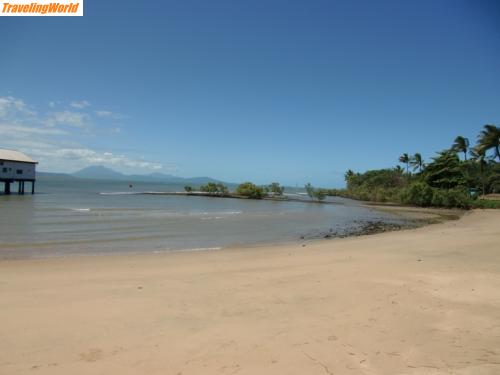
(75,217)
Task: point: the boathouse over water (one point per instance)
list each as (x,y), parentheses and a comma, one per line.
(16,167)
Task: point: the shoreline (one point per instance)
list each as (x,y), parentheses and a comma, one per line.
(414,217)
(416,302)
(277,198)
(418,218)
(433,214)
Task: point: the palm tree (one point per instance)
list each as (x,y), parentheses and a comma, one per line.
(477,154)
(417,162)
(489,138)
(461,144)
(348,176)
(405,159)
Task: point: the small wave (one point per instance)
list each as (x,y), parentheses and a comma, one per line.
(205,248)
(80,209)
(185,250)
(202,249)
(216,213)
(119,193)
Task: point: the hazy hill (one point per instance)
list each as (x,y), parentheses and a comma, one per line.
(99,172)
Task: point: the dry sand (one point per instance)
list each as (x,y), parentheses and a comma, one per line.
(423,301)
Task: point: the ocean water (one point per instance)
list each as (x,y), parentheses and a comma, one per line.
(76,217)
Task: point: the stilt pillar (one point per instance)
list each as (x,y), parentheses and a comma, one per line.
(7,188)
(33,187)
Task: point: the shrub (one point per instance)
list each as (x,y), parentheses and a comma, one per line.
(250,190)
(439,198)
(485,203)
(318,194)
(214,188)
(418,194)
(456,198)
(222,189)
(276,189)
(210,187)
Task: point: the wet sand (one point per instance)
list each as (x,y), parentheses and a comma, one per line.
(421,301)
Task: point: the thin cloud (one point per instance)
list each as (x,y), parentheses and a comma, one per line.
(69,118)
(20,130)
(89,156)
(52,139)
(111,115)
(10,106)
(80,104)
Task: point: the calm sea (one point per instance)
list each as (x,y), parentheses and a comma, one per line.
(70,217)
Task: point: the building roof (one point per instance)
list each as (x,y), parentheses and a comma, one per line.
(13,155)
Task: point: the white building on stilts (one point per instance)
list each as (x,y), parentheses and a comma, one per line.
(17,167)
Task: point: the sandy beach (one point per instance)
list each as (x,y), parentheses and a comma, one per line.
(421,301)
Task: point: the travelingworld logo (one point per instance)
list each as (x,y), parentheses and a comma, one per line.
(41,8)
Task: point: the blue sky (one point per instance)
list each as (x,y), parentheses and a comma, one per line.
(289,91)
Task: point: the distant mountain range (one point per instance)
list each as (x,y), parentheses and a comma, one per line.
(98,172)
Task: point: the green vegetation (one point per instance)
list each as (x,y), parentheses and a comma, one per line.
(447,181)
(276,189)
(317,194)
(461,145)
(489,139)
(250,190)
(450,179)
(485,203)
(246,189)
(445,171)
(216,189)
(417,162)
(405,159)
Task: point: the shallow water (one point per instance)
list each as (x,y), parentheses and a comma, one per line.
(68,217)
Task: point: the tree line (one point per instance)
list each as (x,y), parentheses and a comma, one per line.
(246,190)
(253,191)
(454,177)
